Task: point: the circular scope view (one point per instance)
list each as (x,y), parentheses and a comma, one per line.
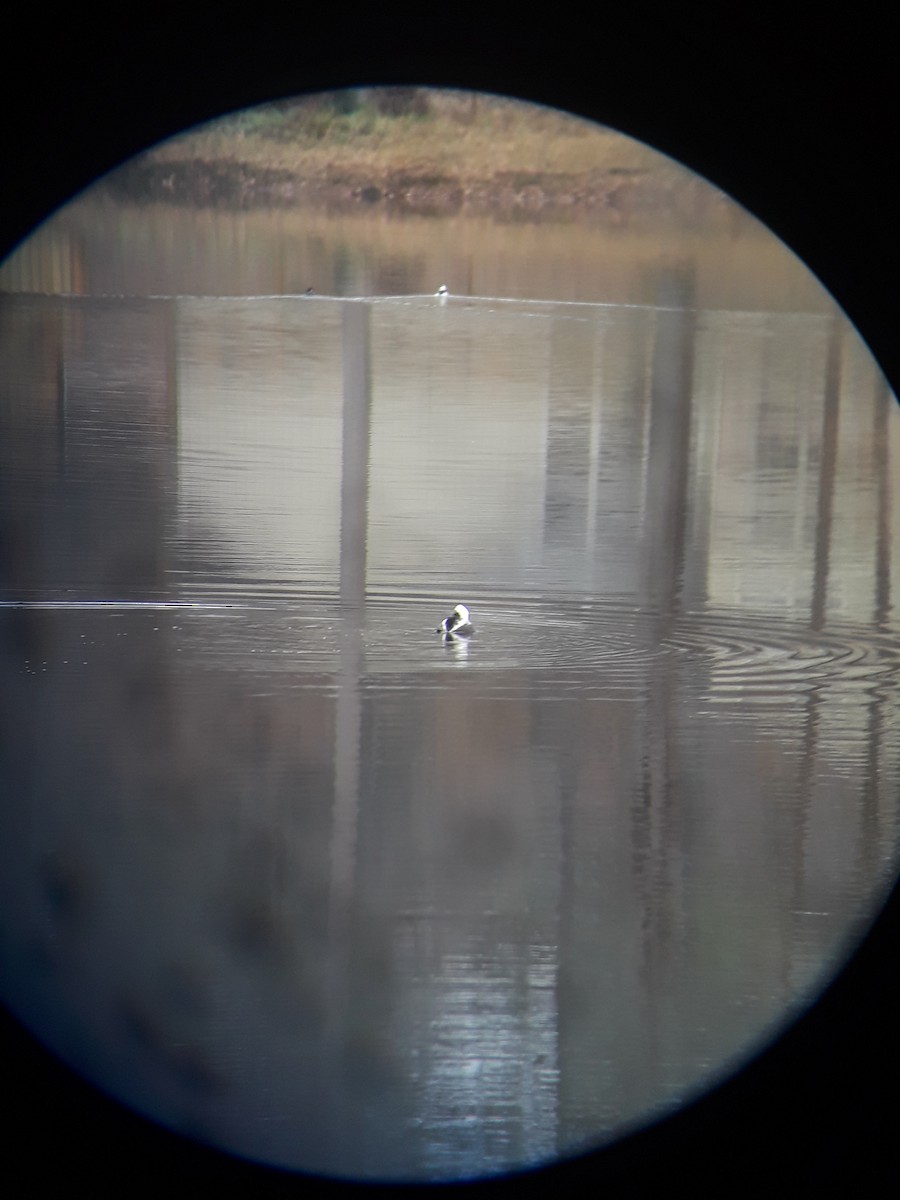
(448,646)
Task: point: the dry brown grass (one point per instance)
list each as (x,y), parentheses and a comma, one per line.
(464,136)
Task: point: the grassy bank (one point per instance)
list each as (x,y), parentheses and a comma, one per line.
(382,133)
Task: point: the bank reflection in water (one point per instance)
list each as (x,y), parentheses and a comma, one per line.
(307,883)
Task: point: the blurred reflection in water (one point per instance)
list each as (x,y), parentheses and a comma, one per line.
(294,876)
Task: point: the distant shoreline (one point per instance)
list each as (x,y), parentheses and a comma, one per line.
(443,154)
(613,196)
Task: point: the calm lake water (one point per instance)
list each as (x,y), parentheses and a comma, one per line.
(287,872)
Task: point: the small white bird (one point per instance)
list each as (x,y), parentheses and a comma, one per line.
(442,292)
(458,624)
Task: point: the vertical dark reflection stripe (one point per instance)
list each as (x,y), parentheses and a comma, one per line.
(355,452)
(348,720)
(655,832)
(870,814)
(569,404)
(668,453)
(799,824)
(879,704)
(173,316)
(827,465)
(881,455)
(338,966)
(570,962)
(62,396)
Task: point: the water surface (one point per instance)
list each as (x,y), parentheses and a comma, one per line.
(287,872)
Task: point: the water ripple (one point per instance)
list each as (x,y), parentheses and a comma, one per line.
(764,658)
(585,646)
(728,656)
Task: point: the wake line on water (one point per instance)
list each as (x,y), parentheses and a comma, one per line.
(120,604)
(406,299)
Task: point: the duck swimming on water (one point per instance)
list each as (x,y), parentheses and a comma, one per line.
(442,292)
(458,624)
